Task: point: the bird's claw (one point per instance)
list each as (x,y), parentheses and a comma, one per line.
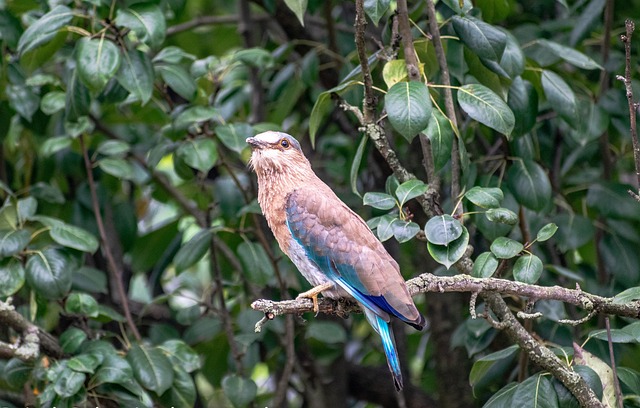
(313,295)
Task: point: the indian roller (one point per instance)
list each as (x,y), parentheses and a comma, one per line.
(331,245)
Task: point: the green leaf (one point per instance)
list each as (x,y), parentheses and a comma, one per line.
(503,398)
(560,96)
(47,192)
(573,232)
(485,197)
(68,382)
(49,272)
(23,100)
(97,61)
(502,215)
(546,232)
(240,391)
(483,105)
(485,265)
(74,237)
(146,21)
(482,366)
(178,79)
(459,6)
(602,369)
(193,250)
(403,231)
(16,373)
(53,102)
(523,102)
(527,269)
(84,363)
(114,148)
(13,242)
(443,229)
(384,229)
(410,189)
(590,16)
(622,257)
(513,59)
(355,165)
(114,369)
(483,39)
(602,194)
(11,276)
(173,55)
(181,355)
(408,106)
(200,154)
(136,75)
(529,184)
(375,9)
(234,136)
(536,391)
(255,261)
(323,105)
(81,303)
(570,55)
(182,392)
(117,167)
(299,7)
(193,115)
(506,248)
(440,134)
(151,367)
(26,209)
(395,71)
(326,332)
(450,254)
(45,28)
(72,339)
(78,98)
(626,296)
(380,201)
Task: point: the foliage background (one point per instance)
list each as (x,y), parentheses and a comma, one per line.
(131,243)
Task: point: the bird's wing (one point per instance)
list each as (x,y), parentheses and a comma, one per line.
(346,251)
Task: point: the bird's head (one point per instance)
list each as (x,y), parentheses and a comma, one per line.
(278,154)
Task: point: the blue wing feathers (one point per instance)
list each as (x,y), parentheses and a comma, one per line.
(389,345)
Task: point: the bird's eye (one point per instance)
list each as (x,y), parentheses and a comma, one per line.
(285,143)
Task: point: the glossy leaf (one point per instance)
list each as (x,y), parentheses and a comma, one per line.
(178,79)
(570,55)
(45,28)
(240,391)
(195,115)
(11,276)
(375,9)
(441,136)
(410,189)
(546,232)
(72,339)
(233,136)
(384,229)
(408,106)
(482,366)
(81,303)
(183,391)
(193,250)
(560,96)
(136,75)
(403,231)
(200,154)
(84,363)
(52,102)
(13,241)
(485,265)
(69,382)
(523,102)
(628,295)
(443,229)
(483,105)
(326,332)
(602,369)
(485,197)
(395,71)
(323,105)
(146,20)
(23,100)
(78,98)
(503,398)
(529,184)
(536,391)
(97,61)
(573,232)
(355,165)
(483,39)
(380,201)
(527,269)
(450,254)
(49,272)
(299,7)
(506,248)
(119,168)
(151,367)
(182,355)
(74,237)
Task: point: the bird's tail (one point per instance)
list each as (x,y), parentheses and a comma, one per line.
(389,344)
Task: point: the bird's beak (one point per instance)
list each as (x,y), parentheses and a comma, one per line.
(254,143)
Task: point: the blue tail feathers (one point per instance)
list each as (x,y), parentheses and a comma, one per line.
(389,345)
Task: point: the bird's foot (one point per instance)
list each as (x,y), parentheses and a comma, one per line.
(313,295)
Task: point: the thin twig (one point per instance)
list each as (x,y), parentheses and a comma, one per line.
(626,39)
(616,381)
(106,247)
(369,103)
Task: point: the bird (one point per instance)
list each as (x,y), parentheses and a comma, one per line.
(331,245)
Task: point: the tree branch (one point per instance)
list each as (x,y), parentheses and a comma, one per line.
(34,338)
